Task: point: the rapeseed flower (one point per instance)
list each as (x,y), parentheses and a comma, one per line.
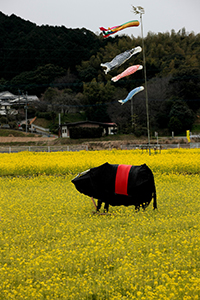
(53,247)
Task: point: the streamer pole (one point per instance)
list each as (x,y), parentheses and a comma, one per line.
(140,10)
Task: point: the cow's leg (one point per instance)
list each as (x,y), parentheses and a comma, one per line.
(99,202)
(144,205)
(137,208)
(106,206)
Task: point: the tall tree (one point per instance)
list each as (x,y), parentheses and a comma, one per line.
(185,84)
(182,115)
(34,82)
(97,96)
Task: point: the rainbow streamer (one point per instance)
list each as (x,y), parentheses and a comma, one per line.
(112,30)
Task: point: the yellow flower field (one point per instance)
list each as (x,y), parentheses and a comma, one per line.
(29,163)
(53,247)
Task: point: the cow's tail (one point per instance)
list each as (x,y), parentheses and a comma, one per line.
(154,196)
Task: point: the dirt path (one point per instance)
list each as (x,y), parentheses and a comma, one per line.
(9,139)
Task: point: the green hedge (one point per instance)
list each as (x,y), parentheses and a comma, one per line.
(46,115)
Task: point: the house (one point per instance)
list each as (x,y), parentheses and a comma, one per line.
(4,108)
(7,96)
(22,99)
(5,104)
(7,100)
(108,128)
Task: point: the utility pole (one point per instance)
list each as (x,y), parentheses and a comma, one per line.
(140,10)
(19,101)
(132,111)
(26,107)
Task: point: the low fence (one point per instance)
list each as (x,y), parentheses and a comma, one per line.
(16,149)
(159,147)
(143,147)
(194,145)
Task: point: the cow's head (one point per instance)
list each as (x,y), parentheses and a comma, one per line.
(83,183)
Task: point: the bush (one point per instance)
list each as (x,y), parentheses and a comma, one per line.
(3,120)
(53,128)
(46,115)
(138,133)
(13,125)
(175,125)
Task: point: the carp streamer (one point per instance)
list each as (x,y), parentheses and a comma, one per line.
(120,59)
(127,72)
(131,94)
(107,32)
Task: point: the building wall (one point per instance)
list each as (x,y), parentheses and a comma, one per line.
(65,132)
(87,125)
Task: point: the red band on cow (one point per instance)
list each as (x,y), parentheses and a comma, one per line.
(121,180)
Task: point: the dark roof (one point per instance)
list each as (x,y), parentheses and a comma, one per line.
(89,122)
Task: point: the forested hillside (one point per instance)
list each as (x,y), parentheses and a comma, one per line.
(26,46)
(62,67)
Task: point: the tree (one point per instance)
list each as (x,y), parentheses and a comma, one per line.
(50,94)
(35,82)
(97,96)
(69,80)
(162,116)
(120,115)
(26,46)
(185,84)
(175,125)
(66,102)
(3,84)
(181,115)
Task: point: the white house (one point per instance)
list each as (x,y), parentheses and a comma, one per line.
(108,128)
(8,99)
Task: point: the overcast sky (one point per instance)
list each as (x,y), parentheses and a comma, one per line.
(160,15)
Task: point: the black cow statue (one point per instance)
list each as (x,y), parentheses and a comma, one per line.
(118,185)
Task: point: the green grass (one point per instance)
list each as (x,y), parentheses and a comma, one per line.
(42,122)
(15,133)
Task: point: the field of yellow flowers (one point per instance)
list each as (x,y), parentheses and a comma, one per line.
(53,247)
